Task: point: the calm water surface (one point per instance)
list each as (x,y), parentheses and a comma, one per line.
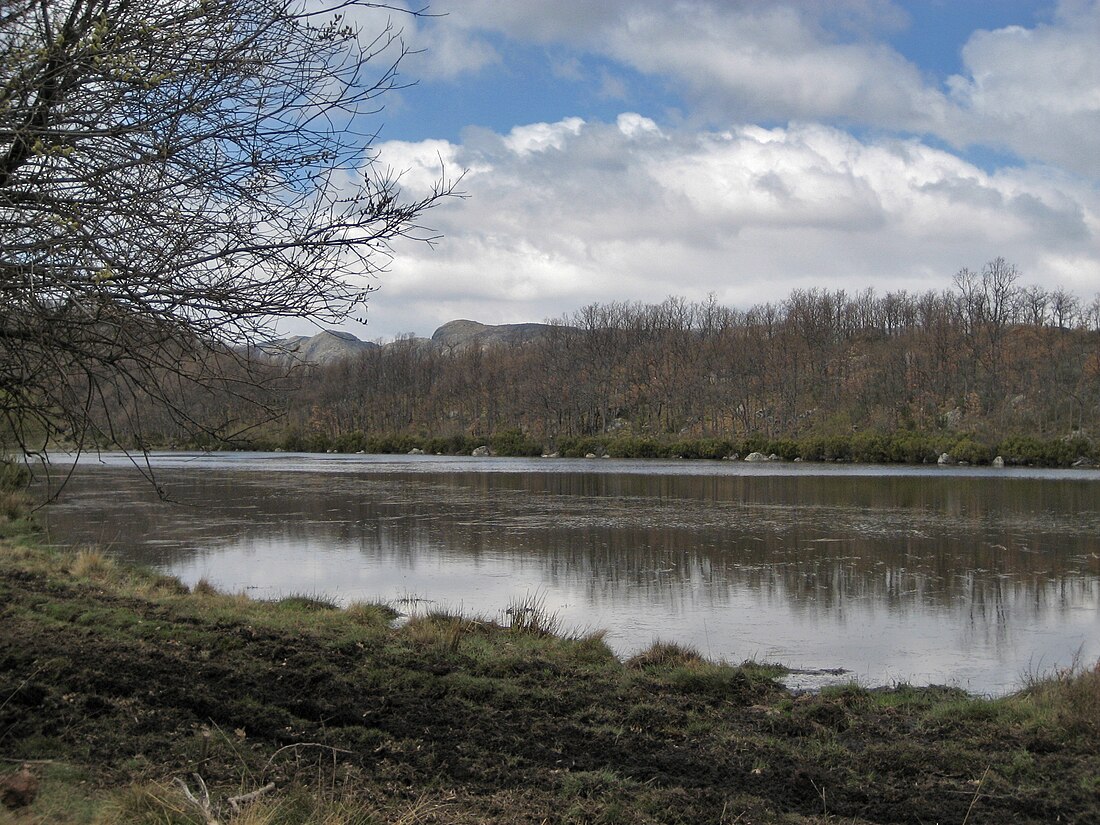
(961,576)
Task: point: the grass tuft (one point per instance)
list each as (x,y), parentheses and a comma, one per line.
(203,587)
(439,630)
(374,614)
(90,563)
(665,655)
(530,616)
(14,505)
(1069,697)
(303,603)
(148,804)
(593,647)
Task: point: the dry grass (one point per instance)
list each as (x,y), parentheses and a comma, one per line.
(666,655)
(14,505)
(530,616)
(371,613)
(1069,697)
(165,804)
(203,587)
(90,563)
(443,631)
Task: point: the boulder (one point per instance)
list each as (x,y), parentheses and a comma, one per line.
(945,459)
(999,462)
(756,456)
(480,452)
(416,451)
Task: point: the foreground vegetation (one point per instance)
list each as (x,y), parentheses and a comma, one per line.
(125,694)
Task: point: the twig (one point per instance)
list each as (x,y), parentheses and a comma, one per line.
(235,802)
(977,791)
(821,793)
(297,745)
(202,807)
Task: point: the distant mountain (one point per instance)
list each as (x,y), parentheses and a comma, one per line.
(331,345)
(322,348)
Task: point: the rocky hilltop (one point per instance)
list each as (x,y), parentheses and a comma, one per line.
(463,334)
(454,336)
(323,348)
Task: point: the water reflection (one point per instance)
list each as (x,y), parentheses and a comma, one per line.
(973,579)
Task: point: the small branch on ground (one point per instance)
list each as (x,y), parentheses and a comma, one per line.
(203,807)
(235,802)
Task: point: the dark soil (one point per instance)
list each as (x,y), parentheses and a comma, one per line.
(503,728)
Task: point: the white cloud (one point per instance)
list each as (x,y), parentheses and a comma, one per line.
(758,59)
(626,212)
(454,53)
(771,61)
(1036,91)
(632,124)
(1031,91)
(565,213)
(540,137)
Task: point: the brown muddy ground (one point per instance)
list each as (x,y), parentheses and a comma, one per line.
(495,725)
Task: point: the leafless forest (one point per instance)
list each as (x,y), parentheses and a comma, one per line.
(988,360)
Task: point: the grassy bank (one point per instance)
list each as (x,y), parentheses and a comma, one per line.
(119,688)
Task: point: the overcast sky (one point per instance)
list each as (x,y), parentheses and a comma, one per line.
(635,149)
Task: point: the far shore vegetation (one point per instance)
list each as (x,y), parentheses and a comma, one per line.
(126,697)
(866,448)
(991,368)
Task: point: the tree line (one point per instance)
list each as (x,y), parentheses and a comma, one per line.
(988,358)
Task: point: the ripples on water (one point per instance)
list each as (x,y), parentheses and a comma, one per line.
(970,577)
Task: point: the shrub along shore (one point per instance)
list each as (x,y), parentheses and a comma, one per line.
(899,447)
(126,697)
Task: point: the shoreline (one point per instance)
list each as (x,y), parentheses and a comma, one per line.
(898,447)
(455,579)
(126,681)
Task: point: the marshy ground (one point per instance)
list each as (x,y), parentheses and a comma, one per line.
(116,682)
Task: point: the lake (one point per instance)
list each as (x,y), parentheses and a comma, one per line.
(964,576)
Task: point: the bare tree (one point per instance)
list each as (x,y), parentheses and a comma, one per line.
(175,176)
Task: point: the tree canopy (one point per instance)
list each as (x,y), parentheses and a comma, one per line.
(175,176)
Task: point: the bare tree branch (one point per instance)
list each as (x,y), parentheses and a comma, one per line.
(175,176)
